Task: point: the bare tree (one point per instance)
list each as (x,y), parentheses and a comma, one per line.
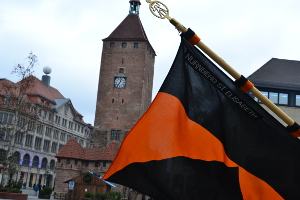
(20,114)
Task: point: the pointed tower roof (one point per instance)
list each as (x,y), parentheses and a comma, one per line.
(130,29)
(71,150)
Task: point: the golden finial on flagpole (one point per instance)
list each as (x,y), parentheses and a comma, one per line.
(159,9)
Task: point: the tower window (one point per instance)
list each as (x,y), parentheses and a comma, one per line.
(124,45)
(122,100)
(115,134)
(136,45)
(121,70)
(112,45)
(113,100)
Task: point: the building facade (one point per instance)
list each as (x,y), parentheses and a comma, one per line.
(126,79)
(278,80)
(42,126)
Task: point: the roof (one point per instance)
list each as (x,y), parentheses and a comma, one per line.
(40,89)
(130,29)
(74,150)
(278,72)
(71,150)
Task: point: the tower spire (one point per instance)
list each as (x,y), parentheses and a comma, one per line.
(134,7)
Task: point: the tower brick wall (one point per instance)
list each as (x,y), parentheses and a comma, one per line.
(120,108)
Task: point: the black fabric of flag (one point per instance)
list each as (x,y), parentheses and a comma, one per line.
(202,138)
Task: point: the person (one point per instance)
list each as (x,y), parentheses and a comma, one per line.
(40,187)
(24,185)
(35,188)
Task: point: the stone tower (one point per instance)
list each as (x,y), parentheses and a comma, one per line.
(126,79)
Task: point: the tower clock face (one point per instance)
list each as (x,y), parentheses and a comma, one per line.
(120,82)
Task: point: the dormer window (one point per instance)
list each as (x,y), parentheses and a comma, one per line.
(7,101)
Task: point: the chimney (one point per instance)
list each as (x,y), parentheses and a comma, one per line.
(45,78)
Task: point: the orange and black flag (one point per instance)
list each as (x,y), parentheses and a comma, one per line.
(202,138)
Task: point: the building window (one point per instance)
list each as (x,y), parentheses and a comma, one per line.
(64,122)
(31,125)
(86,163)
(124,45)
(52,164)
(283,98)
(82,129)
(21,122)
(60,146)
(38,143)
(28,140)
(112,45)
(48,131)
(50,116)
(40,128)
(46,145)
(297,100)
(104,164)
(4,134)
(54,147)
(44,163)
(6,118)
(121,70)
(57,119)
(35,162)
(26,160)
(76,161)
(115,134)
(55,134)
(96,164)
(136,45)
(68,160)
(81,142)
(62,136)
(70,125)
(275,97)
(19,138)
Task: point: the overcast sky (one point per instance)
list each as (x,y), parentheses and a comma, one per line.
(67,36)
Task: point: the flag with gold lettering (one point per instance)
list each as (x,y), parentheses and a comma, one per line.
(202,138)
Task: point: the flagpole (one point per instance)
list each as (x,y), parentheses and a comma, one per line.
(159,10)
